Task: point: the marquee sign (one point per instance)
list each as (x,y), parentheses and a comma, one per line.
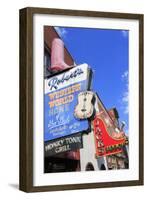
(60,99)
(64,144)
(105,143)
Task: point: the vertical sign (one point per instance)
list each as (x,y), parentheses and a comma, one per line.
(104,142)
(60,99)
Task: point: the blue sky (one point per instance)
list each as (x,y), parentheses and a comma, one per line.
(106,51)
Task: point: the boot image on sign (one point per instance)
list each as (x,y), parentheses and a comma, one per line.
(57,56)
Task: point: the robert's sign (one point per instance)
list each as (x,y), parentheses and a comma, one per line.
(60,99)
(56,82)
(68,143)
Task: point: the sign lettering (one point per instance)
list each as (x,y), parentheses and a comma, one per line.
(105,144)
(65,144)
(60,100)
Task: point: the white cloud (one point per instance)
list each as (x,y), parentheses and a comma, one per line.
(124,75)
(61,31)
(124,33)
(125,94)
(125,102)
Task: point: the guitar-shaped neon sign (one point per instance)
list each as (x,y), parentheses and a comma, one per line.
(85,108)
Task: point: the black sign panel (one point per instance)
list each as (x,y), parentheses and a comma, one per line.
(69,143)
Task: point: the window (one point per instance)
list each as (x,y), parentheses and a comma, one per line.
(89,167)
(47,63)
(103,167)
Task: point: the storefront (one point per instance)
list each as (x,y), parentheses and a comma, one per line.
(83,145)
(62,161)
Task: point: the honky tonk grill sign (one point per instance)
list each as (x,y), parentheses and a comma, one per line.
(64,144)
(106,144)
